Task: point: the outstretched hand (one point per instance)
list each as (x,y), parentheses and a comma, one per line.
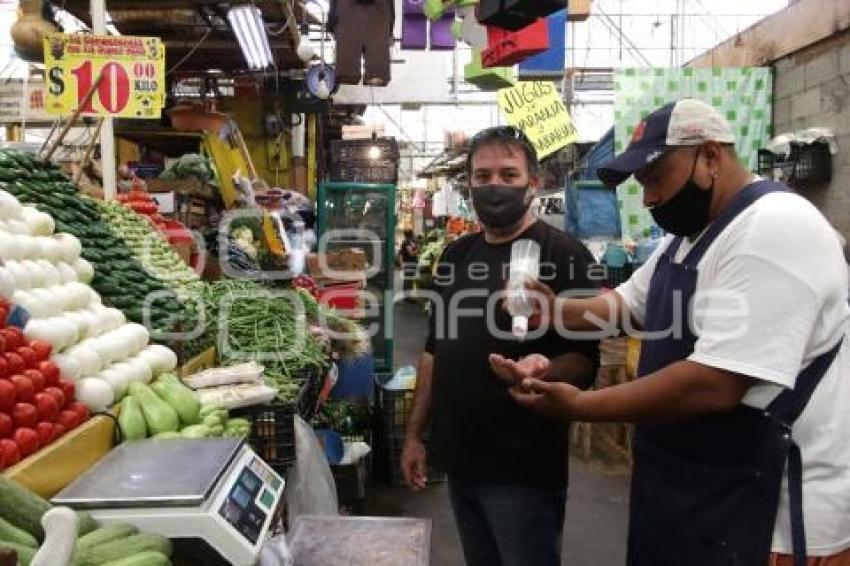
(555,400)
(534,366)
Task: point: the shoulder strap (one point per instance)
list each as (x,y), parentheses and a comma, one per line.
(789,404)
(747,196)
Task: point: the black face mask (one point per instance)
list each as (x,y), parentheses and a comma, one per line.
(500,206)
(686,214)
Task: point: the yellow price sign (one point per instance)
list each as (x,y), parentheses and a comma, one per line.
(536,108)
(126,72)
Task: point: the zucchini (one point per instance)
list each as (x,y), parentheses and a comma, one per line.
(11,533)
(24,552)
(122,548)
(105,534)
(24,509)
(146,558)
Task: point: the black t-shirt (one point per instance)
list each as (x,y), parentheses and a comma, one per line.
(477,430)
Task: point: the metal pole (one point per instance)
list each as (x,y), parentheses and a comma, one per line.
(107,134)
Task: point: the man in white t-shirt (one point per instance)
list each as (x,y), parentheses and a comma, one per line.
(742,449)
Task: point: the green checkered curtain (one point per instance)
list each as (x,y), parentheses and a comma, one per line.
(743,95)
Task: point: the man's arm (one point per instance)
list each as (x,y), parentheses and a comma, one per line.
(681,390)
(422,400)
(574,368)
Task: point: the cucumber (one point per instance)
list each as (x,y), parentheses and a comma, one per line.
(25,553)
(11,533)
(122,548)
(147,558)
(105,534)
(24,509)
(131,420)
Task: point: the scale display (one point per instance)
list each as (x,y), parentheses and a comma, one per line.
(240,508)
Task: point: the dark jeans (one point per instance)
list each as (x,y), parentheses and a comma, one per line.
(508,525)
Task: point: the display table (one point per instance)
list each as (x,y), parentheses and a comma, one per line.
(360,541)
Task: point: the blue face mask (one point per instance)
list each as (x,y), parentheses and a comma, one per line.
(500,206)
(686,213)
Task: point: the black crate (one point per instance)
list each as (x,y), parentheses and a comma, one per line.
(343,151)
(812,164)
(381,171)
(273,428)
(395,408)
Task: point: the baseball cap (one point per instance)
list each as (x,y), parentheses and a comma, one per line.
(687,122)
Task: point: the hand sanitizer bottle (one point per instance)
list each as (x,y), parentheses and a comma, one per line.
(525,265)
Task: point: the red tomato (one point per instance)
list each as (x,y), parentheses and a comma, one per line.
(67,419)
(14,337)
(46,433)
(42,350)
(4,366)
(14,362)
(8,395)
(58,430)
(80,410)
(6,425)
(27,441)
(10,452)
(47,407)
(57,394)
(4,314)
(67,388)
(38,380)
(24,389)
(50,371)
(24,414)
(28,354)
(4,303)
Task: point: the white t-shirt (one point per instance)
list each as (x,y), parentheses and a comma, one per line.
(776,284)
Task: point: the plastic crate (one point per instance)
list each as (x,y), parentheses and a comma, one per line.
(358,150)
(381,171)
(273,428)
(395,408)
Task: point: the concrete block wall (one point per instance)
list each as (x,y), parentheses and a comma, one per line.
(812,89)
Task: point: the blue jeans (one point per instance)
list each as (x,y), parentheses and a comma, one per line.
(508,525)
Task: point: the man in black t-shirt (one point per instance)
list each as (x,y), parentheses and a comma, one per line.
(507,468)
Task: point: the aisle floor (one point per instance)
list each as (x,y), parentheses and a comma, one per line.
(596,519)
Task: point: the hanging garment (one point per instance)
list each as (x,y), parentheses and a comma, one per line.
(363,31)
(416,26)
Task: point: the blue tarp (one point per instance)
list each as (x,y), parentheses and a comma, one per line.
(591,208)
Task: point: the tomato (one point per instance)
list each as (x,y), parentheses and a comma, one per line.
(24,389)
(57,394)
(50,371)
(5,303)
(8,394)
(67,388)
(24,414)
(58,430)
(4,367)
(46,433)
(28,354)
(14,337)
(14,362)
(4,314)
(6,425)
(42,350)
(47,407)
(10,454)
(80,410)
(38,380)
(27,441)
(68,419)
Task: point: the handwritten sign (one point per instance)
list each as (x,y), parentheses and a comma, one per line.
(537,109)
(132,71)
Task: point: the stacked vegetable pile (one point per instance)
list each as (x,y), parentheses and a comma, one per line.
(143,204)
(169,409)
(113,272)
(43,535)
(36,405)
(151,249)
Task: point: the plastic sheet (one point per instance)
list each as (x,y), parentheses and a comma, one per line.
(310,485)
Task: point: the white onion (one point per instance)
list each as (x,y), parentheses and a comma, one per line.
(87,357)
(49,249)
(10,207)
(69,247)
(68,367)
(117,380)
(20,227)
(94,393)
(52,273)
(50,301)
(39,223)
(56,331)
(138,336)
(7,283)
(65,273)
(19,273)
(85,271)
(79,295)
(28,246)
(30,302)
(160,358)
(142,371)
(37,276)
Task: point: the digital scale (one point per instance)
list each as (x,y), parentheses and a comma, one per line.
(214,490)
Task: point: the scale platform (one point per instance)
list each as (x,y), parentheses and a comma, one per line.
(213,489)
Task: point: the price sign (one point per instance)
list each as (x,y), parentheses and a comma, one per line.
(127,74)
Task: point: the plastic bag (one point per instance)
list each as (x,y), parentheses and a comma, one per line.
(310,485)
(275,552)
(250,372)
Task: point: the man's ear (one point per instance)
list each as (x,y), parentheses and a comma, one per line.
(534,184)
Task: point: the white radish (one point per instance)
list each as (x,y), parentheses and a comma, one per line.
(94,393)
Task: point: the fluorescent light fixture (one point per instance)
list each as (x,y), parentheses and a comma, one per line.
(249,27)
(317,8)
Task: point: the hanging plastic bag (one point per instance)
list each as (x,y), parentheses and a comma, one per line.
(275,552)
(310,485)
